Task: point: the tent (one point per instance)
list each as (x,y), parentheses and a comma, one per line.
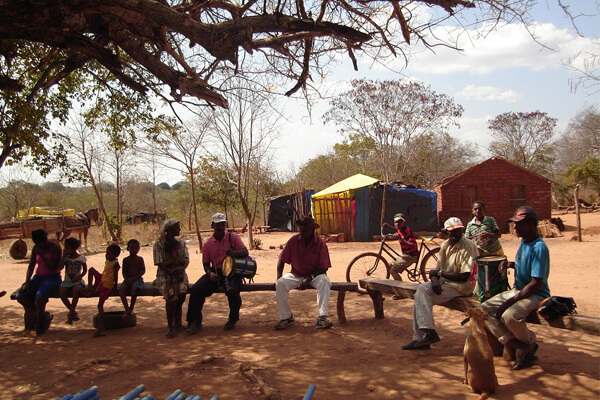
(332,206)
(353,207)
(287,208)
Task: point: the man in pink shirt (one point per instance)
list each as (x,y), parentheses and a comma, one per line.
(214,251)
(309,257)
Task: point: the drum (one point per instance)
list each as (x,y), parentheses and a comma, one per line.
(246,267)
(490,281)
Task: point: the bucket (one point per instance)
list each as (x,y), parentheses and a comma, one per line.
(490,281)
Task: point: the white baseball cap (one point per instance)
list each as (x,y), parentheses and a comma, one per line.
(453,223)
(218,217)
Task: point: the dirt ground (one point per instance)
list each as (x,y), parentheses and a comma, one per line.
(362,359)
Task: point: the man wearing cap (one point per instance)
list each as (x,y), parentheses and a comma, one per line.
(408,246)
(309,257)
(220,245)
(508,310)
(449,280)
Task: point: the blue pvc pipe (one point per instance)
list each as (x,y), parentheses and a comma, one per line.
(173,395)
(311,390)
(86,394)
(134,393)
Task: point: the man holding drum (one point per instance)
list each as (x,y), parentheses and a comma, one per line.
(508,310)
(309,257)
(449,280)
(220,245)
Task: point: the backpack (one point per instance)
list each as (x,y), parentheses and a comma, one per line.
(557,306)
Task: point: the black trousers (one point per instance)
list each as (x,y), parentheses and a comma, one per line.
(205,287)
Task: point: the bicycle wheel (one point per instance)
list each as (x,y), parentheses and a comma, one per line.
(367,265)
(429,262)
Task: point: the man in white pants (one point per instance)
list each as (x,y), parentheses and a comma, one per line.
(450,279)
(309,257)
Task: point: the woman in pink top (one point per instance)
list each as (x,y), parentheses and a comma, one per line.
(36,290)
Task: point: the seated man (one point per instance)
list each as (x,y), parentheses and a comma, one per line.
(508,310)
(408,246)
(309,257)
(449,280)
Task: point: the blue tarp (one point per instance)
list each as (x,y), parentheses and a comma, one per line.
(419,206)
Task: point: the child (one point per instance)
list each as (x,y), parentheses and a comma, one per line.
(176,274)
(133,270)
(104,283)
(75,269)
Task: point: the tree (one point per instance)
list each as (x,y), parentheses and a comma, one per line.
(524,139)
(27,107)
(245,133)
(183,146)
(189,46)
(393,115)
(580,140)
(437,157)
(586,173)
(217,188)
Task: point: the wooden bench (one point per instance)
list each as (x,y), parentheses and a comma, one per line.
(406,290)
(341,287)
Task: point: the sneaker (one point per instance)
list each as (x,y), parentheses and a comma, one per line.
(193,328)
(229,325)
(324,323)
(284,323)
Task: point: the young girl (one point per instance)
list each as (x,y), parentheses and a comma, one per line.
(75,268)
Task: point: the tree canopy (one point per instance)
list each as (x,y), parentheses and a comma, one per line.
(191,46)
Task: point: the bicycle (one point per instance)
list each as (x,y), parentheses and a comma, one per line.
(369,264)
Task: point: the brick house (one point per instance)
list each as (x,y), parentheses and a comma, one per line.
(500,184)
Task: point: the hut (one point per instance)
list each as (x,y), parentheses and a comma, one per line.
(502,185)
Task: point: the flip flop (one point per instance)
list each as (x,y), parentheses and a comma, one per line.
(527,361)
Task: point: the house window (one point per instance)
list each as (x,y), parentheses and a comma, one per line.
(517,196)
(468,194)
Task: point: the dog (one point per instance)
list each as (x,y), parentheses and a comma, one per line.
(478,355)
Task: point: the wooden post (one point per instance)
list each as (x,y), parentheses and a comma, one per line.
(577,213)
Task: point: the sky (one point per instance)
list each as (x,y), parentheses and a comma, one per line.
(505,71)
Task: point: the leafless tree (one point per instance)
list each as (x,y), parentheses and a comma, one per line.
(183,146)
(245,133)
(88,163)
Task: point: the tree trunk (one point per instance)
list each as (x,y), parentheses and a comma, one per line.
(195,210)
(577,212)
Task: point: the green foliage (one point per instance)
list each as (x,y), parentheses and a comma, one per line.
(25,115)
(164,186)
(256,244)
(586,173)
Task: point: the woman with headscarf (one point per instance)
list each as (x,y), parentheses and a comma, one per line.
(166,261)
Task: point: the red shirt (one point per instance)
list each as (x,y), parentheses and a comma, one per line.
(213,251)
(305,258)
(409,236)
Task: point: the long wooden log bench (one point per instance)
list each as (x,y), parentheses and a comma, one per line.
(341,287)
(406,290)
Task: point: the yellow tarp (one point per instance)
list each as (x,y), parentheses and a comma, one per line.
(354,182)
(332,207)
(44,211)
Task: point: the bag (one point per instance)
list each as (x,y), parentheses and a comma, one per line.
(557,306)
